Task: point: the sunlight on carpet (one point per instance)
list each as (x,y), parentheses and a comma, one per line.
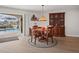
(8,39)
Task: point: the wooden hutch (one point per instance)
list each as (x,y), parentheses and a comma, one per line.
(58,21)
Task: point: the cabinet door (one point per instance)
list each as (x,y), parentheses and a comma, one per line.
(61,31)
(55,32)
(61,15)
(61,23)
(57,18)
(51,16)
(51,22)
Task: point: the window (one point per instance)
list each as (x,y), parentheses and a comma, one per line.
(9,23)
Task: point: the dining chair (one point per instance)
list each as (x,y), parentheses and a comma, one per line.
(49,34)
(35,34)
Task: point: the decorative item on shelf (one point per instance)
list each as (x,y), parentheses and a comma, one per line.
(42,18)
(34,18)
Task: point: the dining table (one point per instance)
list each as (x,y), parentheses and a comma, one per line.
(41,34)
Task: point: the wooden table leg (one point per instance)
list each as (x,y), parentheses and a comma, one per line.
(52,39)
(35,40)
(31,38)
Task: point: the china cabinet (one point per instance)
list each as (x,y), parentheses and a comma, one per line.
(58,21)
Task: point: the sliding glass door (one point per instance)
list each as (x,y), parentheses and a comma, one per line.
(10,23)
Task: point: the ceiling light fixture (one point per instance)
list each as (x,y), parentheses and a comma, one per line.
(42,18)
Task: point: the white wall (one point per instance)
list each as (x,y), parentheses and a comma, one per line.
(40,23)
(72,23)
(71,19)
(26,17)
(17,12)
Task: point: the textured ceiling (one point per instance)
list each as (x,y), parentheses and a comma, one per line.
(46,7)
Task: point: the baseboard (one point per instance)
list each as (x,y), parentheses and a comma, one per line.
(73,35)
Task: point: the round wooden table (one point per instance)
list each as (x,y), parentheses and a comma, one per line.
(42,34)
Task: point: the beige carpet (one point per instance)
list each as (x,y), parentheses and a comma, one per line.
(65,45)
(7,39)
